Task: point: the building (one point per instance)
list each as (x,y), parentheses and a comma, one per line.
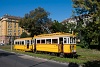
(76,19)
(9,28)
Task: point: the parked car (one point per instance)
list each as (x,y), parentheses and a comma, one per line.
(2,44)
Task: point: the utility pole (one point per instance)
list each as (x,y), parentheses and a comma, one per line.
(11,42)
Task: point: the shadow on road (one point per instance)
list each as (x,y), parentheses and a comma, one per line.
(73,65)
(41,62)
(37,64)
(5,54)
(92,64)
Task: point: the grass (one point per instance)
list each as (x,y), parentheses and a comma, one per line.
(85,55)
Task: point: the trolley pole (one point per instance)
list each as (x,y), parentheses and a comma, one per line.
(11,43)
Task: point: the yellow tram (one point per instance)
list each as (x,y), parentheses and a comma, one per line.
(24,44)
(58,43)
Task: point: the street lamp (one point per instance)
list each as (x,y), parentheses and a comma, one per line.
(10,42)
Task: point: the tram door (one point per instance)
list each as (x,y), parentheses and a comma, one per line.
(27,44)
(35,45)
(61,44)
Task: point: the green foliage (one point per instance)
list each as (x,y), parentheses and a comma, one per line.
(23,35)
(33,21)
(60,27)
(57,27)
(91,31)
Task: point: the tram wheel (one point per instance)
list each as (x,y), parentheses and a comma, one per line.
(61,55)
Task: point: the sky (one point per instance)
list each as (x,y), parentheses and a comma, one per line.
(59,9)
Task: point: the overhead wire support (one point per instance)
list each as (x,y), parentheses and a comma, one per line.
(46,28)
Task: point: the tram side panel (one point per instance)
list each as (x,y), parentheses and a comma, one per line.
(47,44)
(18,45)
(47,47)
(69,48)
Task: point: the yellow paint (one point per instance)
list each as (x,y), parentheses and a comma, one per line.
(23,47)
(67,49)
(47,47)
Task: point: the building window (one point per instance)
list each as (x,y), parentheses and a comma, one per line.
(10,26)
(18,30)
(22,30)
(19,34)
(14,30)
(10,33)
(14,34)
(15,26)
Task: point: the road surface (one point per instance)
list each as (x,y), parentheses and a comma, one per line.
(18,60)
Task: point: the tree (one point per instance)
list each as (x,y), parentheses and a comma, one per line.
(35,20)
(90,32)
(23,35)
(62,27)
(57,27)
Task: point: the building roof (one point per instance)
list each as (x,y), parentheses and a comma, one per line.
(76,18)
(11,17)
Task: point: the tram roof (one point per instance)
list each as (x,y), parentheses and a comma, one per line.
(54,35)
(28,38)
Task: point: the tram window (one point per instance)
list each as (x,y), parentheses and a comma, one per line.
(27,41)
(42,41)
(54,40)
(31,42)
(18,42)
(38,41)
(22,42)
(74,40)
(48,41)
(65,40)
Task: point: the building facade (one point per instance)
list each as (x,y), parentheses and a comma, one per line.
(76,19)
(9,29)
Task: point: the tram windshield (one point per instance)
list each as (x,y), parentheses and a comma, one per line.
(70,40)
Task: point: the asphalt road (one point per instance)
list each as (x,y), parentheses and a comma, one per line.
(19,60)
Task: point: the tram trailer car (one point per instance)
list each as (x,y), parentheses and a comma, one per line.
(62,44)
(24,44)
